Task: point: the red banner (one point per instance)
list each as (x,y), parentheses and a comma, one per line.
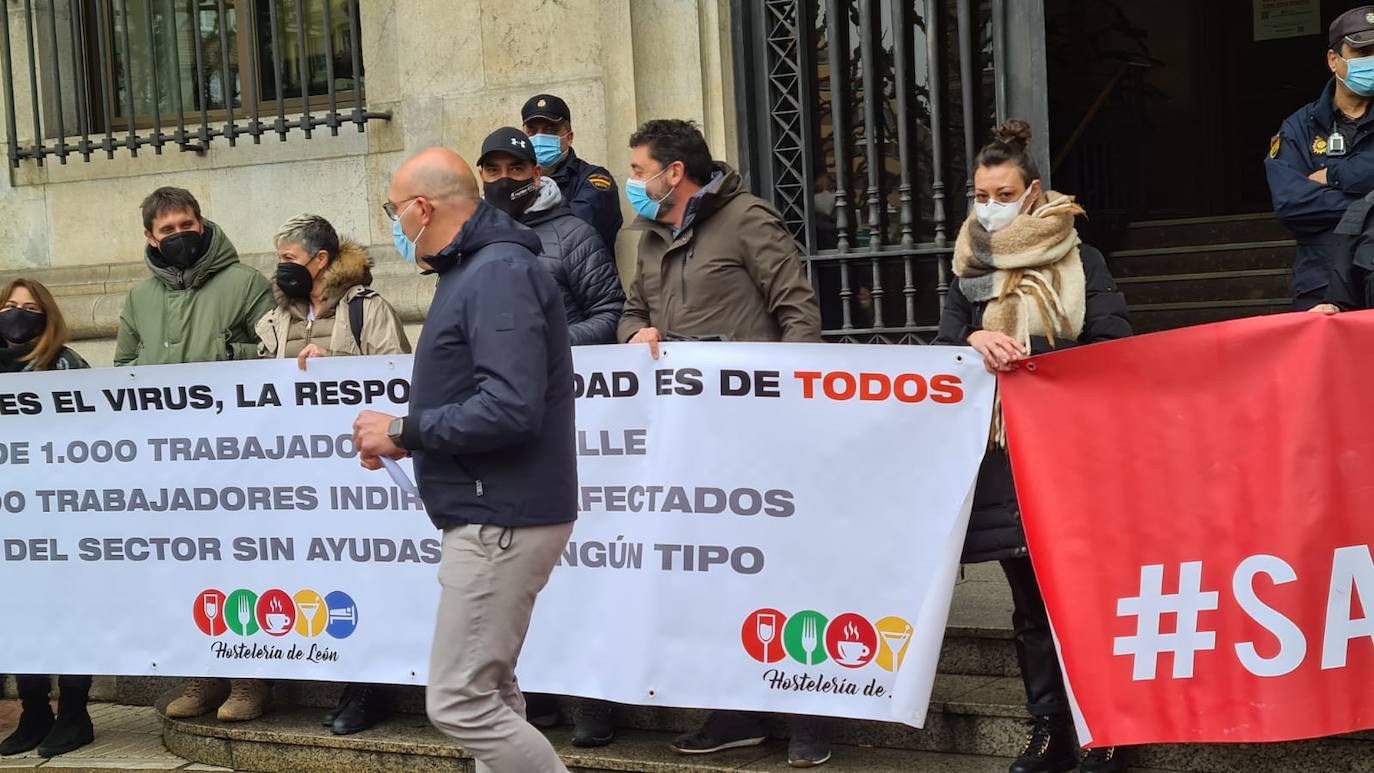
(1199,506)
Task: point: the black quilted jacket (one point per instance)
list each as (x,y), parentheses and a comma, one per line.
(584,268)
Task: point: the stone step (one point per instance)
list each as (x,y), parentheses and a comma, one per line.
(1197,259)
(293,741)
(976,731)
(1150,318)
(1254,284)
(1208,230)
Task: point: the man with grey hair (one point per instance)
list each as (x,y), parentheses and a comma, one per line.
(491,431)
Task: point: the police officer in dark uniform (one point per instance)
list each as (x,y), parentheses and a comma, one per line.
(589,190)
(1322,159)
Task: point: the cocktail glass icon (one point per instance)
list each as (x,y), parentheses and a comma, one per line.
(311,609)
(767,630)
(896,641)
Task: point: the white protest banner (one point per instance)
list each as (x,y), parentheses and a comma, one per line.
(762,526)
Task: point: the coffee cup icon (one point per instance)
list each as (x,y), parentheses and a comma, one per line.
(852,651)
(277,622)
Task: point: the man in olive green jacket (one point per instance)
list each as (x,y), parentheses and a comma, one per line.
(201,304)
(714,260)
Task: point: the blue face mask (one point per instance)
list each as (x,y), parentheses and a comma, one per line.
(548,148)
(404,244)
(640,200)
(1359,75)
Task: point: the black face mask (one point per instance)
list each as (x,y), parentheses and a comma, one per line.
(181,250)
(511,196)
(294,280)
(20,326)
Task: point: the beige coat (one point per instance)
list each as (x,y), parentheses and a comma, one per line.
(283,330)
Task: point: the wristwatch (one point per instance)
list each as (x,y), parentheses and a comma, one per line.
(394,429)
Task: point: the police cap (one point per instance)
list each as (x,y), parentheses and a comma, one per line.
(1355,28)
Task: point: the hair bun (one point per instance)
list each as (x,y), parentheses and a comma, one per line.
(1016,133)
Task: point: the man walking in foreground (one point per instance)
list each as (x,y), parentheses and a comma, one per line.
(491,432)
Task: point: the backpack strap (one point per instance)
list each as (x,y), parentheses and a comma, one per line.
(355,316)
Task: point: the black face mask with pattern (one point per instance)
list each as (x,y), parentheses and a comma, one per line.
(511,196)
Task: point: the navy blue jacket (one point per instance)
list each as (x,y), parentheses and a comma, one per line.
(584,269)
(591,193)
(491,399)
(1311,210)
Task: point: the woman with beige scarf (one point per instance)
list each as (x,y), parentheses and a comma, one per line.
(1024,284)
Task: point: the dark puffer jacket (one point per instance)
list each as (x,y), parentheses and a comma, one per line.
(581,264)
(994,527)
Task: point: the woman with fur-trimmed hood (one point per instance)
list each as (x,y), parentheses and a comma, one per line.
(327,307)
(321,283)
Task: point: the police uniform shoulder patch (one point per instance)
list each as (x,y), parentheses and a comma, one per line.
(1319,146)
(600,182)
(1274,146)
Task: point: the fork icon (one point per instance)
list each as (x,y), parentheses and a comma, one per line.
(810,639)
(245,614)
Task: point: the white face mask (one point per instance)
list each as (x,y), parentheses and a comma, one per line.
(996,215)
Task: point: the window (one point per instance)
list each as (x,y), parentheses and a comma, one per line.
(106,74)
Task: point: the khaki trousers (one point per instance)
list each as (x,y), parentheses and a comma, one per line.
(490,577)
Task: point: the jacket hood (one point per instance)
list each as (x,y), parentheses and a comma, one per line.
(488,225)
(351,268)
(550,197)
(219,254)
(724,186)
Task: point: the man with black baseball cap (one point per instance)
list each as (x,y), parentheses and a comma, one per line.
(589,190)
(1322,159)
(581,263)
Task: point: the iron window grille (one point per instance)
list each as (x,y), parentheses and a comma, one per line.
(102,75)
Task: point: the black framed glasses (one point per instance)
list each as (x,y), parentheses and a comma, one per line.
(390,209)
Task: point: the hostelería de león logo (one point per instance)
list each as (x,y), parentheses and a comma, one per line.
(810,638)
(274,614)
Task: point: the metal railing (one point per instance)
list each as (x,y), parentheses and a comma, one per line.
(116,73)
(874,111)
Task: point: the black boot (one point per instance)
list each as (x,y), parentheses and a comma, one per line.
(328,720)
(366,706)
(593,724)
(1050,747)
(73,728)
(1107,759)
(36,719)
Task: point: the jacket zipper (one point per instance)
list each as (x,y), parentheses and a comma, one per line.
(477,482)
(685,260)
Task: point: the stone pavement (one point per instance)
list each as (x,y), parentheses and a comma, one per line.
(126,738)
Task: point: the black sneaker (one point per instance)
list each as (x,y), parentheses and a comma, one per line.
(328,719)
(810,744)
(1050,747)
(723,730)
(1108,759)
(593,724)
(71,731)
(34,725)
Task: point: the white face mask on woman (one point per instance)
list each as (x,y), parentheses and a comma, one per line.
(996,215)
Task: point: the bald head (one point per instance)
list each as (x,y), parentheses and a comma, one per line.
(437,174)
(433,195)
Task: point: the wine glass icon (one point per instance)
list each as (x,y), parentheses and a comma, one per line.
(768,631)
(210,603)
